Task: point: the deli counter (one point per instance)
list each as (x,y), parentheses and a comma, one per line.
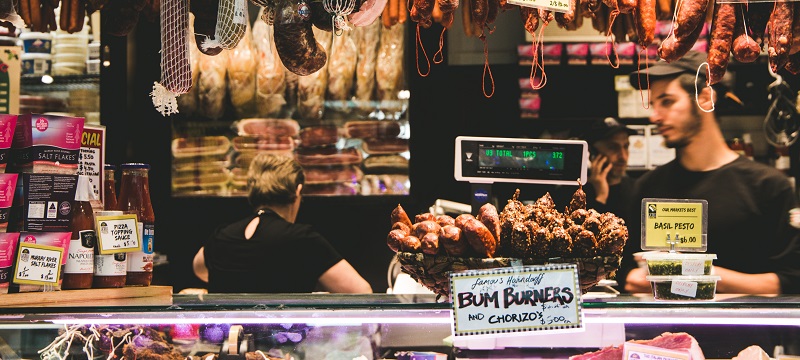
(376,326)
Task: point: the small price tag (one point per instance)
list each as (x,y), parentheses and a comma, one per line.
(693,267)
(117,234)
(38,264)
(239,12)
(685,288)
(633,351)
(685,222)
(554,5)
(516,299)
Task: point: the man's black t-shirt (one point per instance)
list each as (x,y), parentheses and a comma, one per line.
(280,257)
(748,219)
(618,198)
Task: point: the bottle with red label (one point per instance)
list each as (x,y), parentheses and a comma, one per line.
(134,198)
(79,269)
(110,191)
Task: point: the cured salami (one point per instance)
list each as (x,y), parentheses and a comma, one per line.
(721,41)
(295,42)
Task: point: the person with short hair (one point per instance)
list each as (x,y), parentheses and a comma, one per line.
(267,252)
(758,252)
(609,186)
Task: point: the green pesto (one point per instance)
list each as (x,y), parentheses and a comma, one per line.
(705,291)
(672,267)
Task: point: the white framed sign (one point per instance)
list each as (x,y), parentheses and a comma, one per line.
(516,299)
(38,264)
(118,233)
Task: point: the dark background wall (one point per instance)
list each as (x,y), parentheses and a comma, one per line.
(447,103)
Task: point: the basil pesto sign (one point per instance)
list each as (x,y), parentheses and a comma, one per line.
(516,299)
(679,222)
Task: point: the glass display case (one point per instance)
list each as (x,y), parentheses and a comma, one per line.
(323,326)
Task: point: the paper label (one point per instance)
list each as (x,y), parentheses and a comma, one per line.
(239,10)
(119,233)
(91,160)
(683,221)
(111,265)
(516,299)
(38,264)
(142,261)
(685,288)
(554,5)
(693,267)
(633,351)
(80,258)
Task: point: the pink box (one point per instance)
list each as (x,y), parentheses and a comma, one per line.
(8,251)
(46,144)
(7,125)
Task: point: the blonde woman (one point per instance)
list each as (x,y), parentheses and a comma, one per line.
(267,252)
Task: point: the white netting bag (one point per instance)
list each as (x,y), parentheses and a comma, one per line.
(8,13)
(339,9)
(232,20)
(176,70)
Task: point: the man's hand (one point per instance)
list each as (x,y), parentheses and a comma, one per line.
(636,282)
(598,177)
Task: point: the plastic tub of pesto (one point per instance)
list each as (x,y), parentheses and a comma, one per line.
(684,287)
(671,263)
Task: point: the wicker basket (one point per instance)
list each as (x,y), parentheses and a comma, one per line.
(432,271)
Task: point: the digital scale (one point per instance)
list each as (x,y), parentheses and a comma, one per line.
(483,161)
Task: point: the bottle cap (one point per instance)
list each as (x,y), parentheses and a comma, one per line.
(135,166)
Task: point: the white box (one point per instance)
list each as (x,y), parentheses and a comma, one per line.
(658,153)
(637,149)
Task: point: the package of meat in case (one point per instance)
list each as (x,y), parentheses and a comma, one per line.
(244,158)
(372,129)
(384,146)
(385,164)
(332,174)
(208,181)
(268,127)
(239,181)
(200,146)
(314,136)
(199,163)
(46,144)
(577,53)
(328,156)
(385,184)
(259,143)
(331,189)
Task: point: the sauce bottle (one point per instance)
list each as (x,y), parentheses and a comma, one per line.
(110,188)
(79,269)
(134,198)
(110,271)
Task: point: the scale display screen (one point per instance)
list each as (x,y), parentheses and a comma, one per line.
(480,159)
